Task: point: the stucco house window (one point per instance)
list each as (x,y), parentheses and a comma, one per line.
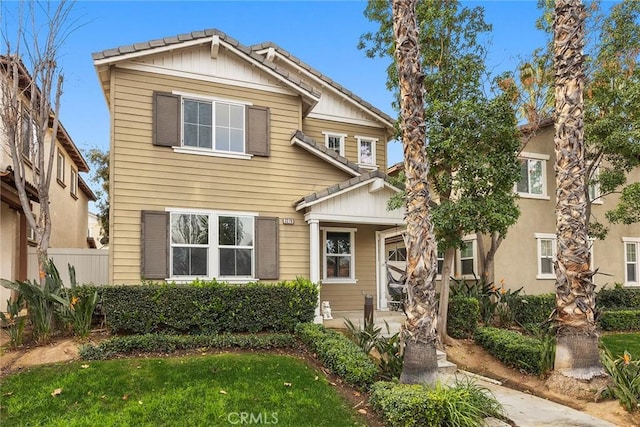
(213,125)
(631,264)
(211,244)
(466,264)
(335,142)
(60,168)
(547,253)
(366,151)
(533,176)
(73,184)
(339,255)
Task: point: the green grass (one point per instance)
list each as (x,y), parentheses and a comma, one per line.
(209,390)
(618,343)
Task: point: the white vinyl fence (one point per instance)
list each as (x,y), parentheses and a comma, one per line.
(92,265)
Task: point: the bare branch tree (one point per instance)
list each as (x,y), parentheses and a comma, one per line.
(32,87)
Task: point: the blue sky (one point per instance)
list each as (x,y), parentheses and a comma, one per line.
(324,34)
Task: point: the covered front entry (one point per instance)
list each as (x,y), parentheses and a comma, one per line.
(345,222)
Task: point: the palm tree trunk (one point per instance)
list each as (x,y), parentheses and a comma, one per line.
(419,330)
(577,337)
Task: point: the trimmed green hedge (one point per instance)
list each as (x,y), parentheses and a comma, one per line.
(208,307)
(618,298)
(338,353)
(463,315)
(512,348)
(620,320)
(164,343)
(533,309)
(463,404)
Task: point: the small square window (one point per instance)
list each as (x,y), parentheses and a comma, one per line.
(335,142)
(366,151)
(531,177)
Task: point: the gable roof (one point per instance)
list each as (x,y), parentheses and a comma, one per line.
(254,54)
(320,150)
(265,49)
(26,82)
(345,186)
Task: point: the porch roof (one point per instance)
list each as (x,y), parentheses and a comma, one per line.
(362,199)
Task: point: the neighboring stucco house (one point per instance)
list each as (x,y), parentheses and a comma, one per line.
(525,258)
(69,201)
(243,163)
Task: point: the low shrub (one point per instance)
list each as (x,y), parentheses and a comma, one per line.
(618,297)
(513,348)
(163,343)
(389,358)
(209,307)
(339,354)
(620,320)
(533,309)
(463,404)
(486,293)
(463,315)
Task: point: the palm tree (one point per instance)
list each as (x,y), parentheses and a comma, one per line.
(577,336)
(419,330)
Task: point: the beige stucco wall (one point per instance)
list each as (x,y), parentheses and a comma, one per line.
(517,257)
(9,236)
(149,177)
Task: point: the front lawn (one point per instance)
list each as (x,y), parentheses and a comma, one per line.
(185,391)
(618,343)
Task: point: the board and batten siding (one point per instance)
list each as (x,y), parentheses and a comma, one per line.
(314,127)
(147,177)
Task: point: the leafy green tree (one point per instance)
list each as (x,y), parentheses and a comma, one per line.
(471,138)
(611,104)
(100,164)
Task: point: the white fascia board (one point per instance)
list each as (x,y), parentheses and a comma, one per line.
(303,204)
(152,51)
(354,219)
(328,86)
(323,156)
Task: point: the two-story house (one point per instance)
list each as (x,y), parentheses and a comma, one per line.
(69,199)
(243,163)
(525,257)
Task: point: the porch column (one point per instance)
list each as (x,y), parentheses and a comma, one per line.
(314,261)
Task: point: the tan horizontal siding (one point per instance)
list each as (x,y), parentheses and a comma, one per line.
(150,177)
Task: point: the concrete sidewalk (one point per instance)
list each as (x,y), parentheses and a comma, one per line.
(526,410)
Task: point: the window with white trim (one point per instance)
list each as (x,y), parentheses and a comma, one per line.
(339,254)
(533,176)
(466,264)
(547,254)
(212,244)
(60,167)
(631,263)
(594,187)
(27,133)
(440,261)
(335,142)
(366,151)
(73,185)
(213,125)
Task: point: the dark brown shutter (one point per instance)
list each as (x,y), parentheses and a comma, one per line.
(166,119)
(257,127)
(155,245)
(267,248)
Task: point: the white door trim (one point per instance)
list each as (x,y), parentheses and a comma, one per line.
(381,264)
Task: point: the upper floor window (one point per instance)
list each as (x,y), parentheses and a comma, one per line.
(60,167)
(532,182)
(74,183)
(366,151)
(26,133)
(213,125)
(631,264)
(339,257)
(335,142)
